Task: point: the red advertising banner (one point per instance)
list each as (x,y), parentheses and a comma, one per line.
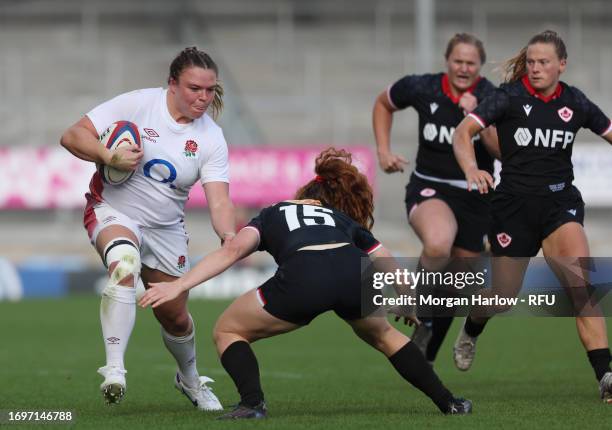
(50,177)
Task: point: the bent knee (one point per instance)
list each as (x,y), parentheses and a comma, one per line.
(122,257)
(219,332)
(178,324)
(437,248)
(377,338)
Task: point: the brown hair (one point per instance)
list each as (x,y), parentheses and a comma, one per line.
(469,39)
(516,67)
(193,57)
(340,185)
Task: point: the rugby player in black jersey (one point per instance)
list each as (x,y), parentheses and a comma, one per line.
(535,205)
(318,241)
(449,219)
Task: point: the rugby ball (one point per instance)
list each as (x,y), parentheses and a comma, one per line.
(118,134)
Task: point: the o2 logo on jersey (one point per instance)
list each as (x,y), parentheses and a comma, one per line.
(161,171)
(312,215)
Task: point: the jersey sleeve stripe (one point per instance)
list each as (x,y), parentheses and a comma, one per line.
(260,298)
(374,248)
(389,97)
(478,119)
(608,130)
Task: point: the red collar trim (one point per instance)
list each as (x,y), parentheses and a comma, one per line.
(446,88)
(555,95)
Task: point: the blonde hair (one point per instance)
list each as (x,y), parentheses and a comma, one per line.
(468,39)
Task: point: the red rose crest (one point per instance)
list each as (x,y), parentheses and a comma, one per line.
(191,147)
(181,262)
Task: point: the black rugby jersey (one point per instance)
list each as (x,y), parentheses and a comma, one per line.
(439,115)
(536,134)
(290,225)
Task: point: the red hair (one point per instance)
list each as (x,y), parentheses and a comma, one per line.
(340,185)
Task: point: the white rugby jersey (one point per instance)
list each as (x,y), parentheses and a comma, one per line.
(175,157)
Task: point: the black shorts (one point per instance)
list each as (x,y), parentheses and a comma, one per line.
(312,282)
(471,209)
(519,223)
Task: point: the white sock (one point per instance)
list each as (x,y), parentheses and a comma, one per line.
(183,350)
(117,316)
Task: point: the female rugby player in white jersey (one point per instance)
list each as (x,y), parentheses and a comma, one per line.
(137,227)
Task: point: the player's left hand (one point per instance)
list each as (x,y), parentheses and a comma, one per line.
(159,293)
(468,102)
(405,312)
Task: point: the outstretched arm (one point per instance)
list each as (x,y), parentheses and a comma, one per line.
(384,262)
(245,243)
(221,210)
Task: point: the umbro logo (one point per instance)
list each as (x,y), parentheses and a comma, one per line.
(108,219)
(434,107)
(113,340)
(151,132)
(527,109)
(572,211)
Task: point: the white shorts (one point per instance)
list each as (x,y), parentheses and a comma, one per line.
(163,248)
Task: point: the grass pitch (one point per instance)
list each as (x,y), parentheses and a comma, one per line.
(529,372)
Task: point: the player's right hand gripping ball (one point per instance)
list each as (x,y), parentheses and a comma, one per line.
(118,134)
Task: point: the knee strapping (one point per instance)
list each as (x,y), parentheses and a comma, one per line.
(127,256)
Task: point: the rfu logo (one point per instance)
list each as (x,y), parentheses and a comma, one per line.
(545,138)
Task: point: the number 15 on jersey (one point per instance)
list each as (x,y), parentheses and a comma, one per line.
(312,215)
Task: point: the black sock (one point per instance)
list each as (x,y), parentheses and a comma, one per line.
(439,329)
(473,328)
(241,364)
(426,321)
(411,365)
(600,360)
